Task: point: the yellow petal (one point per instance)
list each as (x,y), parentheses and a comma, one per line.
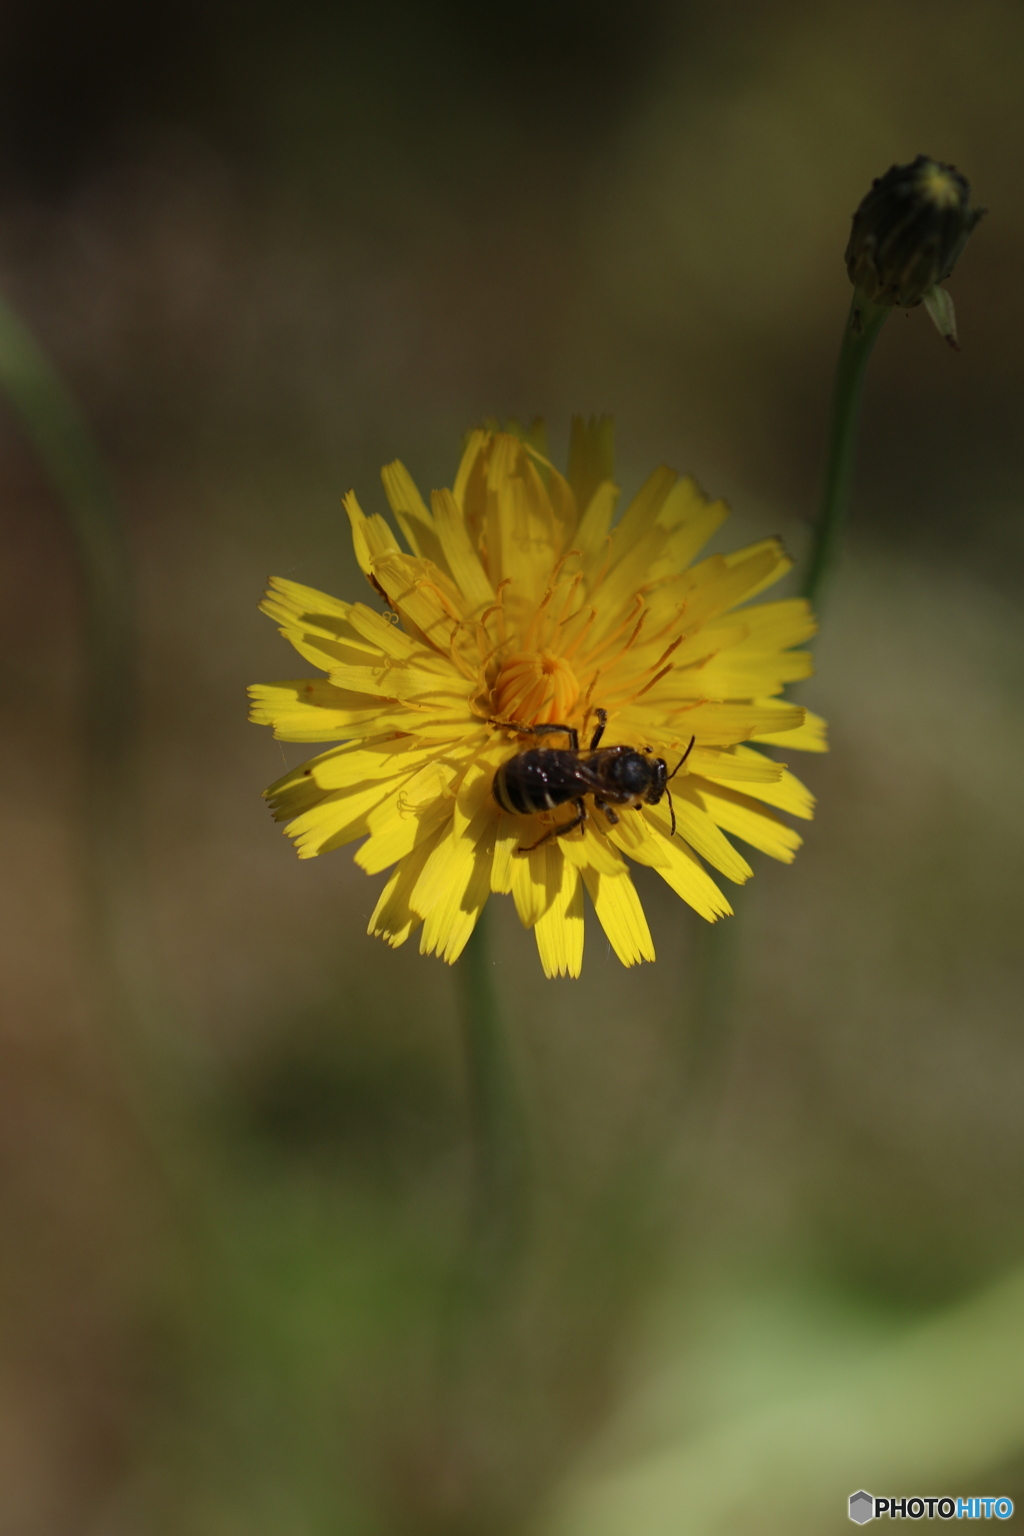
(371,536)
(558,493)
(506,846)
(322,817)
(559,930)
(680,868)
(783,562)
(642,511)
(709,763)
(469,463)
(621,916)
(393,918)
(778,626)
(453,887)
(399,833)
(412,814)
(588,846)
(411,513)
(353,764)
(338,819)
(591,536)
(385,636)
(327,653)
(476,789)
(311,709)
(786,794)
(721,582)
(463,560)
(363,754)
(810,736)
(737,674)
(635,836)
(436,685)
(429,604)
(591,457)
(301,603)
(692,520)
(318,626)
(536,880)
(536,538)
(726,724)
(743,817)
(699,830)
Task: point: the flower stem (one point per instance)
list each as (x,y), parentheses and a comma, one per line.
(863,324)
(498,1122)
(719,948)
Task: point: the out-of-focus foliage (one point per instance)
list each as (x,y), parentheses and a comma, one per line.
(271,248)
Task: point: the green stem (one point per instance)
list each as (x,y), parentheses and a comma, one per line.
(498,1126)
(862,327)
(92,516)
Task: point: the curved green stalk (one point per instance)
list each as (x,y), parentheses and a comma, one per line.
(862,327)
(718,949)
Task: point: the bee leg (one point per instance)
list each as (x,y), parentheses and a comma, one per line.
(557,730)
(567,826)
(539,730)
(609,815)
(509,725)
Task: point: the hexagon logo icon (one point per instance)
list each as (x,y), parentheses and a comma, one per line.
(862,1507)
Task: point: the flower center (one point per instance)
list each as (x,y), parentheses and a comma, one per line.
(535,688)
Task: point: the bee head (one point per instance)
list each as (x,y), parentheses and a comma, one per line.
(657,779)
(635,774)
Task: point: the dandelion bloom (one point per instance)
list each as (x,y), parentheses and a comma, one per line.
(519,601)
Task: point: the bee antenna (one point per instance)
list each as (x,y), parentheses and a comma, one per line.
(671,810)
(681,761)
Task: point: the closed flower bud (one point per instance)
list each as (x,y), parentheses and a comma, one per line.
(907,236)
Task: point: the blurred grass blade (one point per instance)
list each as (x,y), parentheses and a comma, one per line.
(108,689)
(940,1410)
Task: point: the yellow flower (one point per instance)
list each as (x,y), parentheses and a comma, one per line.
(519,602)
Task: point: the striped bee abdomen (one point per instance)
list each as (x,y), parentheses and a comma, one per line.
(538,780)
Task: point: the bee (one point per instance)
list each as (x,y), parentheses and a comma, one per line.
(544,778)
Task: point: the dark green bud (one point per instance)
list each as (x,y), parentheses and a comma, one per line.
(907,236)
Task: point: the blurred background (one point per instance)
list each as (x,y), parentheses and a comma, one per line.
(771,1261)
